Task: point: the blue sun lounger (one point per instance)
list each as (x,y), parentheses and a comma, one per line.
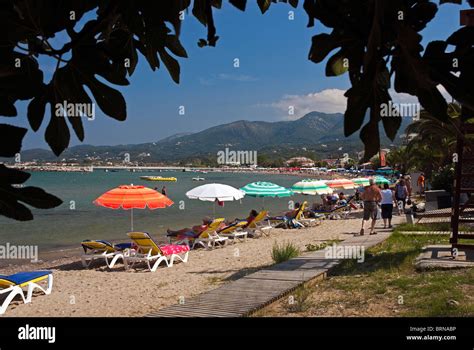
(13,285)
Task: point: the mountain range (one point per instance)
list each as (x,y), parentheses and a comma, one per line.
(317,132)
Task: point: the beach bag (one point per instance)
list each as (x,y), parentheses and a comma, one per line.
(400,205)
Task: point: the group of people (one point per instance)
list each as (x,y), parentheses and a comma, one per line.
(372,197)
(387,198)
(331,201)
(195,231)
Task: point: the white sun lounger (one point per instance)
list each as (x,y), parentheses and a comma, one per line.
(13,286)
(152,254)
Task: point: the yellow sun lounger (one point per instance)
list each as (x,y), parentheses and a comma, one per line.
(235,231)
(306,221)
(260,226)
(148,251)
(14,284)
(208,238)
(99,249)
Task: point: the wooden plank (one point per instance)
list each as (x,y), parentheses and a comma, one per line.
(254,291)
(198,311)
(205,312)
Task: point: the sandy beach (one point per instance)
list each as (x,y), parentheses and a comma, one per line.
(99,291)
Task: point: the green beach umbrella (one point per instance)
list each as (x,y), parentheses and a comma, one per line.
(361,181)
(266,189)
(380,180)
(311,187)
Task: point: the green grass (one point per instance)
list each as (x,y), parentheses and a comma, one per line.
(388,272)
(442,226)
(314,247)
(298,301)
(284,252)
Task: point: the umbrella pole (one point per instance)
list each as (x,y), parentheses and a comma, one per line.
(131,219)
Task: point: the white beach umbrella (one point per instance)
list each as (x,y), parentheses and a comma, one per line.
(213,192)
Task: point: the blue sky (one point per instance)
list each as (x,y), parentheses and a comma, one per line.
(274,72)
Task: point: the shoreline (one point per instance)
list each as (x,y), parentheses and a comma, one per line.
(97,291)
(92,168)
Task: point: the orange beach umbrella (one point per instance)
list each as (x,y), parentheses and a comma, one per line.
(133,197)
(341,183)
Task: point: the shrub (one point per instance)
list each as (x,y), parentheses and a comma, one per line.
(284,252)
(298,301)
(443,179)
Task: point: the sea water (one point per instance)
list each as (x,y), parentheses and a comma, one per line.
(78,218)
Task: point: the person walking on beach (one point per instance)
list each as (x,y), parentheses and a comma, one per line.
(388,198)
(408,185)
(421,183)
(371,197)
(401,194)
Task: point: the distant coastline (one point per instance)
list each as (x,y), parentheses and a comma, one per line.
(132,168)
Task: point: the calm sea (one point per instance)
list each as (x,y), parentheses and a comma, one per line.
(78,218)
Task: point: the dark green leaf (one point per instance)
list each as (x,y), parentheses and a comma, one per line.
(37,197)
(10,176)
(174,45)
(264,5)
(7,107)
(57,133)
(240,4)
(171,64)
(11,138)
(110,101)
(371,139)
(14,210)
(358,101)
(36,111)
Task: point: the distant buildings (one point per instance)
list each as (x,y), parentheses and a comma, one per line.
(331,163)
(301,161)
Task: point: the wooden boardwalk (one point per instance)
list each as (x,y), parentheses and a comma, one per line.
(253,292)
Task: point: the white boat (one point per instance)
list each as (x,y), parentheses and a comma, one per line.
(198,178)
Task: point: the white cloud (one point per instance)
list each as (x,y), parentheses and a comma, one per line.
(326,101)
(213,79)
(330,101)
(237,77)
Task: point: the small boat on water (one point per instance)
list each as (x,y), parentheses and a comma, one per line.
(158,178)
(198,178)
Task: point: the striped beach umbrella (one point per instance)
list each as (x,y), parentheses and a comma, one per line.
(361,181)
(129,197)
(341,183)
(380,180)
(311,187)
(266,189)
